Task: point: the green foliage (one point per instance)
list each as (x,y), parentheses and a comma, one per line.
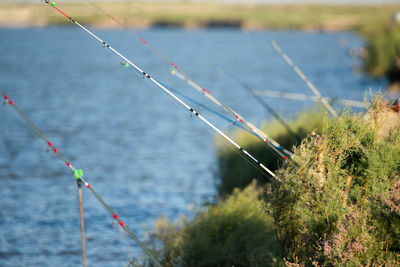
(234,171)
(383,49)
(340,205)
(235,232)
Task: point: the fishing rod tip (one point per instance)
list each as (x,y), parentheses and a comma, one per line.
(6,99)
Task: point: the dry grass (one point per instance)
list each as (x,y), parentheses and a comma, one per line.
(192,14)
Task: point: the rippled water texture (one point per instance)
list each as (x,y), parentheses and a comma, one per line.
(144,154)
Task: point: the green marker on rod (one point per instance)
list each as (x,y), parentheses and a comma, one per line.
(78,174)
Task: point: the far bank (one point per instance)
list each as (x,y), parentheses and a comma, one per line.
(375,23)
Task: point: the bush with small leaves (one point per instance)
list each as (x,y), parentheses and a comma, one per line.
(339,204)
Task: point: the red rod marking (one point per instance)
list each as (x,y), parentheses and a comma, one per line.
(86,184)
(61,12)
(111,17)
(208,92)
(170,62)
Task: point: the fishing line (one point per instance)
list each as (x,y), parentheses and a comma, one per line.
(252,163)
(304,78)
(202,106)
(235,123)
(190,81)
(264,137)
(265,105)
(277,150)
(78,173)
(146,76)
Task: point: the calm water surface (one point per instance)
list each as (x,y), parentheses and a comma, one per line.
(143,153)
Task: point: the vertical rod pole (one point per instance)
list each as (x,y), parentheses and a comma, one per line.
(82,222)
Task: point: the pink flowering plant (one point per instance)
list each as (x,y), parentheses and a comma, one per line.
(339,202)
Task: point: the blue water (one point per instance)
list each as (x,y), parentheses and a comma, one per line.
(142,152)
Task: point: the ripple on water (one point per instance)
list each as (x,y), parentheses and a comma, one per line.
(142,152)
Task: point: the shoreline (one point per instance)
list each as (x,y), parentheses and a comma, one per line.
(191,27)
(369,21)
(192,15)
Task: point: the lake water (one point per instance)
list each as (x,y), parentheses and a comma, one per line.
(142,152)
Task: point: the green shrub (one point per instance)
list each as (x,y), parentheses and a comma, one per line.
(383,51)
(235,232)
(341,204)
(234,171)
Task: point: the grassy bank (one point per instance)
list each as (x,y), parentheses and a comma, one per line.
(191,14)
(337,206)
(340,205)
(383,52)
(235,232)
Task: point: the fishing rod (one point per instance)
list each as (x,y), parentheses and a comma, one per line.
(201,105)
(212,111)
(78,173)
(163,88)
(265,105)
(302,97)
(275,146)
(304,78)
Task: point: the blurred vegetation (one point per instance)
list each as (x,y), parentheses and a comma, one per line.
(234,232)
(338,206)
(195,14)
(371,21)
(383,51)
(234,171)
(341,205)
